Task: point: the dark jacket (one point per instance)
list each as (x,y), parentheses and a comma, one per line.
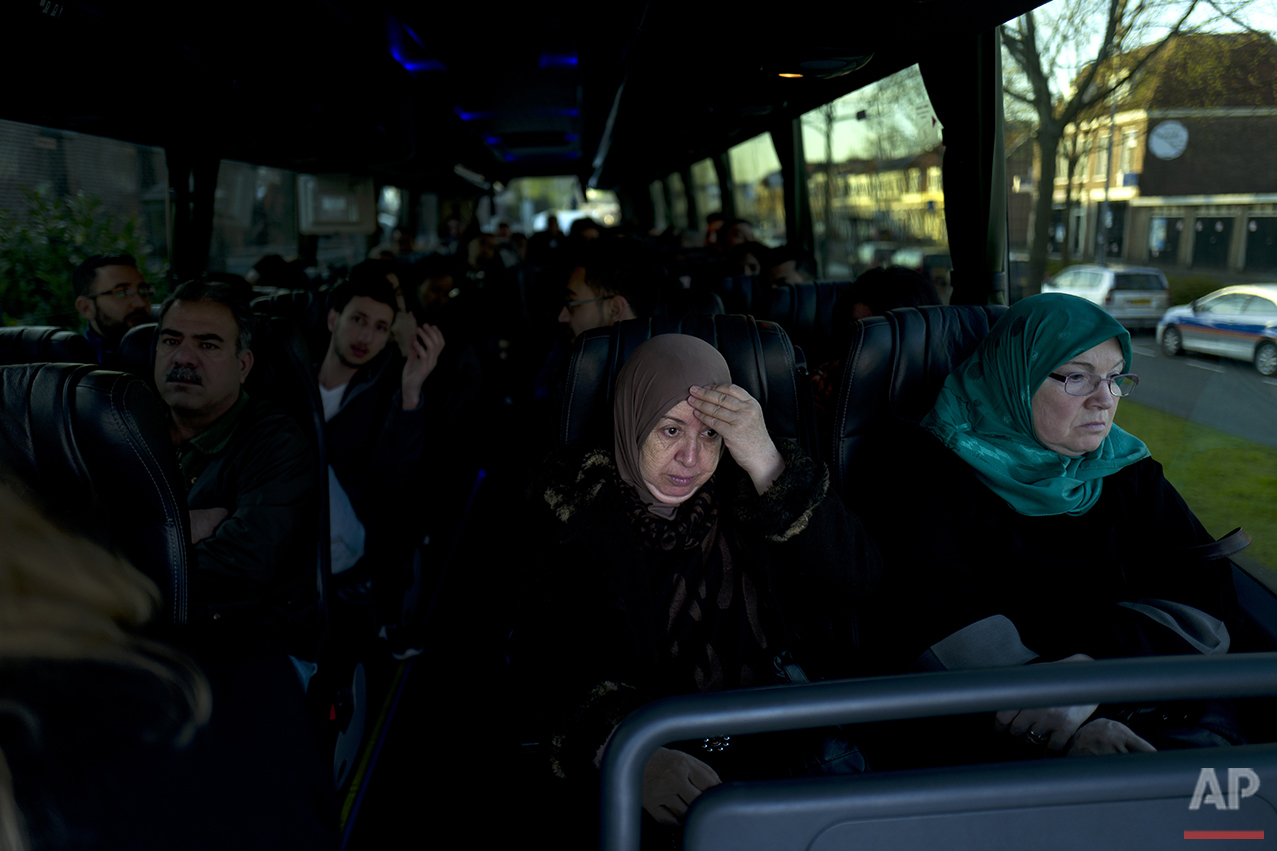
(260,562)
(594,627)
(374,445)
(1059,579)
(379,451)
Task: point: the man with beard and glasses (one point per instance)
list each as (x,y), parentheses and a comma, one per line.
(112,296)
(248,468)
(377,409)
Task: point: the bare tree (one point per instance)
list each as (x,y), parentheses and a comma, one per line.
(1060,40)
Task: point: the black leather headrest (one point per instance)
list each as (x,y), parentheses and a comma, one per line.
(94,446)
(893,373)
(137,351)
(307,309)
(43,344)
(806,312)
(744,294)
(758,354)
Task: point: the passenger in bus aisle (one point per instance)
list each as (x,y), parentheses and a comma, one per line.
(248,467)
(111,296)
(114,739)
(376,409)
(789,264)
(543,245)
(667,572)
(873,294)
(519,244)
(1051,535)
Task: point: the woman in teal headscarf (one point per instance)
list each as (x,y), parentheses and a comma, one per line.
(1051,534)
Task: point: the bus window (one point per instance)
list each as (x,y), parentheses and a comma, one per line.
(254,214)
(679,193)
(709,197)
(757,188)
(74,195)
(660,220)
(874,159)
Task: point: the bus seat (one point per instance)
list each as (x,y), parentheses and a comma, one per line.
(307,308)
(893,372)
(93,446)
(806,312)
(137,351)
(282,372)
(744,294)
(759,355)
(678,302)
(43,344)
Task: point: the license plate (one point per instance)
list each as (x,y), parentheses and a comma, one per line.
(1142,302)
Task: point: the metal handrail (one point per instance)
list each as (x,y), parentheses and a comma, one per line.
(911,696)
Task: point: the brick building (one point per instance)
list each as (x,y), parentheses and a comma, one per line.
(1194,176)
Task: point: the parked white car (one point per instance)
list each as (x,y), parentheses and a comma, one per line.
(1136,296)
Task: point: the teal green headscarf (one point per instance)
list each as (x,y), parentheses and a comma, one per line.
(984,411)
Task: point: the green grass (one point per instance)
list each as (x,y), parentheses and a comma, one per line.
(1226,480)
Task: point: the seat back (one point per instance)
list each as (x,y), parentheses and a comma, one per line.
(282,372)
(94,447)
(137,351)
(43,344)
(306,308)
(677,301)
(1122,801)
(893,373)
(744,294)
(806,312)
(758,354)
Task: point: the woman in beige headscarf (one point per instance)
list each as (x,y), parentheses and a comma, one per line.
(689,559)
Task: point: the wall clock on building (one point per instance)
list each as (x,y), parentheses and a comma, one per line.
(1168,140)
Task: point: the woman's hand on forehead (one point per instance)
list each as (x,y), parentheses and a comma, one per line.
(738,418)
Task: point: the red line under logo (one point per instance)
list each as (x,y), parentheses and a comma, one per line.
(1223,834)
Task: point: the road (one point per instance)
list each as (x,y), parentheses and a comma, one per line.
(1224,394)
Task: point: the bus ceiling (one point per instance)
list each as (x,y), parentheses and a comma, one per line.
(618,92)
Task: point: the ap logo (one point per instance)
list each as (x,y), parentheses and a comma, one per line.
(1208,790)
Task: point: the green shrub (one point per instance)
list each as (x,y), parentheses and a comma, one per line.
(1186,288)
(39,251)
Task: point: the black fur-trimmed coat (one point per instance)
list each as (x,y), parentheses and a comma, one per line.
(588,647)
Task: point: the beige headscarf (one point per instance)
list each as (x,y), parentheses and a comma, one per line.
(657,376)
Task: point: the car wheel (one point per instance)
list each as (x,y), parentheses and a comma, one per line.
(1266,359)
(1171,342)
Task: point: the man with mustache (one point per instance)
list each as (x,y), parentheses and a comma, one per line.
(248,468)
(112,297)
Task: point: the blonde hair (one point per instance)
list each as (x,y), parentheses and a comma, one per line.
(64,599)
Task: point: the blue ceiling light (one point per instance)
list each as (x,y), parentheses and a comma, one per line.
(571,137)
(509,158)
(557,60)
(407,48)
(418,66)
(492,140)
(470,116)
